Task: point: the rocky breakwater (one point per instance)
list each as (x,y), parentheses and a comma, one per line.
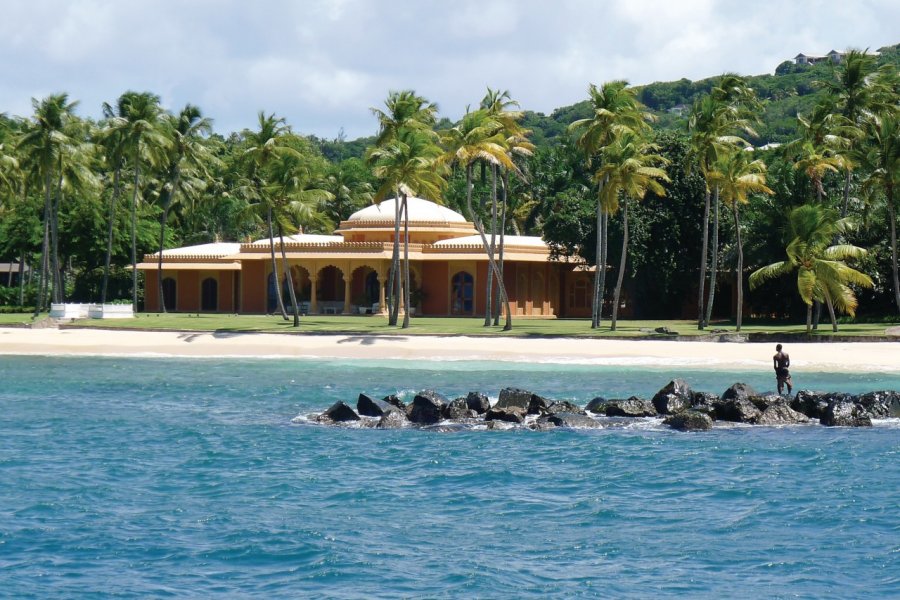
(676,405)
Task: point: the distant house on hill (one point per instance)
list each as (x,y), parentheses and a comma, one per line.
(834,56)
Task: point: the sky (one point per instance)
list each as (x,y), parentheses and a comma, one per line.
(322,64)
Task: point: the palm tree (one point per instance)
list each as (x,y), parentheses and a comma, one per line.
(615,110)
(136,132)
(267,145)
(629,171)
(822,273)
(406,111)
(478,137)
(881,159)
(294,201)
(42,148)
(408,164)
(713,123)
(737,175)
(187,151)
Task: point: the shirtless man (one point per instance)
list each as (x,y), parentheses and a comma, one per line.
(782,361)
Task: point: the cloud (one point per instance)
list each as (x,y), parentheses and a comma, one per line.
(323,63)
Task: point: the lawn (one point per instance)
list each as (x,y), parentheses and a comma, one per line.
(447,326)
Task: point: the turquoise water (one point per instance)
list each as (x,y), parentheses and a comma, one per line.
(186,478)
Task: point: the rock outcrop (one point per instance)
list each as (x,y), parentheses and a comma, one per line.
(689,420)
(674,397)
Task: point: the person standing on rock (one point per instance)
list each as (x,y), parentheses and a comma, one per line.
(781,362)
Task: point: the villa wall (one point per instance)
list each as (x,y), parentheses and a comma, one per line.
(253,287)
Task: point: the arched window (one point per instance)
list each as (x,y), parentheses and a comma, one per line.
(209,295)
(169,289)
(580,294)
(462,294)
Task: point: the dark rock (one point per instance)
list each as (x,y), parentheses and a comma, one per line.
(689,420)
(764,401)
(426,408)
(396,401)
(781,414)
(566,419)
(478,402)
(597,405)
(673,398)
(370,407)
(393,419)
(632,407)
(564,406)
(845,414)
(339,412)
(810,403)
(510,414)
(881,405)
(458,409)
(531,403)
(704,401)
(738,410)
(739,391)
(665,330)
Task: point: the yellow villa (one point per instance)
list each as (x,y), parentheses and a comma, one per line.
(347,272)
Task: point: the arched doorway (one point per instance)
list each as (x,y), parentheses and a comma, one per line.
(209,295)
(271,293)
(169,288)
(581,296)
(462,294)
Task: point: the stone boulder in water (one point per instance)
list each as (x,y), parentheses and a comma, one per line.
(689,420)
(810,403)
(881,405)
(426,408)
(674,397)
(705,402)
(631,407)
(510,414)
(530,402)
(566,419)
(564,406)
(458,409)
(393,419)
(781,414)
(739,391)
(478,402)
(845,414)
(370,407)
(395,400)
(764,401)
(737,410)
(339,412)
(597,405)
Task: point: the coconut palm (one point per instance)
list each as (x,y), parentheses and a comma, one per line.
(615,110)
(406,111)
(715,120)
(408,165)
(737,175)
(881,159)
(629,170)
(136,133)
(822,273)
(187,152)
(478,137)
(41,145)
(266,146)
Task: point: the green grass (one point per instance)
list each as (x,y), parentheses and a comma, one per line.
(7,319)
(446,326)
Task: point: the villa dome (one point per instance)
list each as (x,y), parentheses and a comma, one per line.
(420,211)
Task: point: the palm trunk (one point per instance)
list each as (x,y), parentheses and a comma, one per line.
(45,248)
(714,261)
(162,234)
(288,277)
(274,264)
(58,292)
(597,302)
(893,218)
(22,280)
(493,265)
(406,292)
(489,285)
(395,288)
(109,232)
(830,304)
(808,319)
(740,265)
(846,205)
(604,260)
(504,187)
(621,275)
(701,321)
(137,181)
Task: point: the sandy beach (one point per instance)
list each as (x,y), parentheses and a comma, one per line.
(855,356)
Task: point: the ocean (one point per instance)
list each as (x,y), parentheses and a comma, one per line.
(165,477)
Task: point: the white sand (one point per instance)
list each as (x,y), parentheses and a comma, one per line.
(848,356)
